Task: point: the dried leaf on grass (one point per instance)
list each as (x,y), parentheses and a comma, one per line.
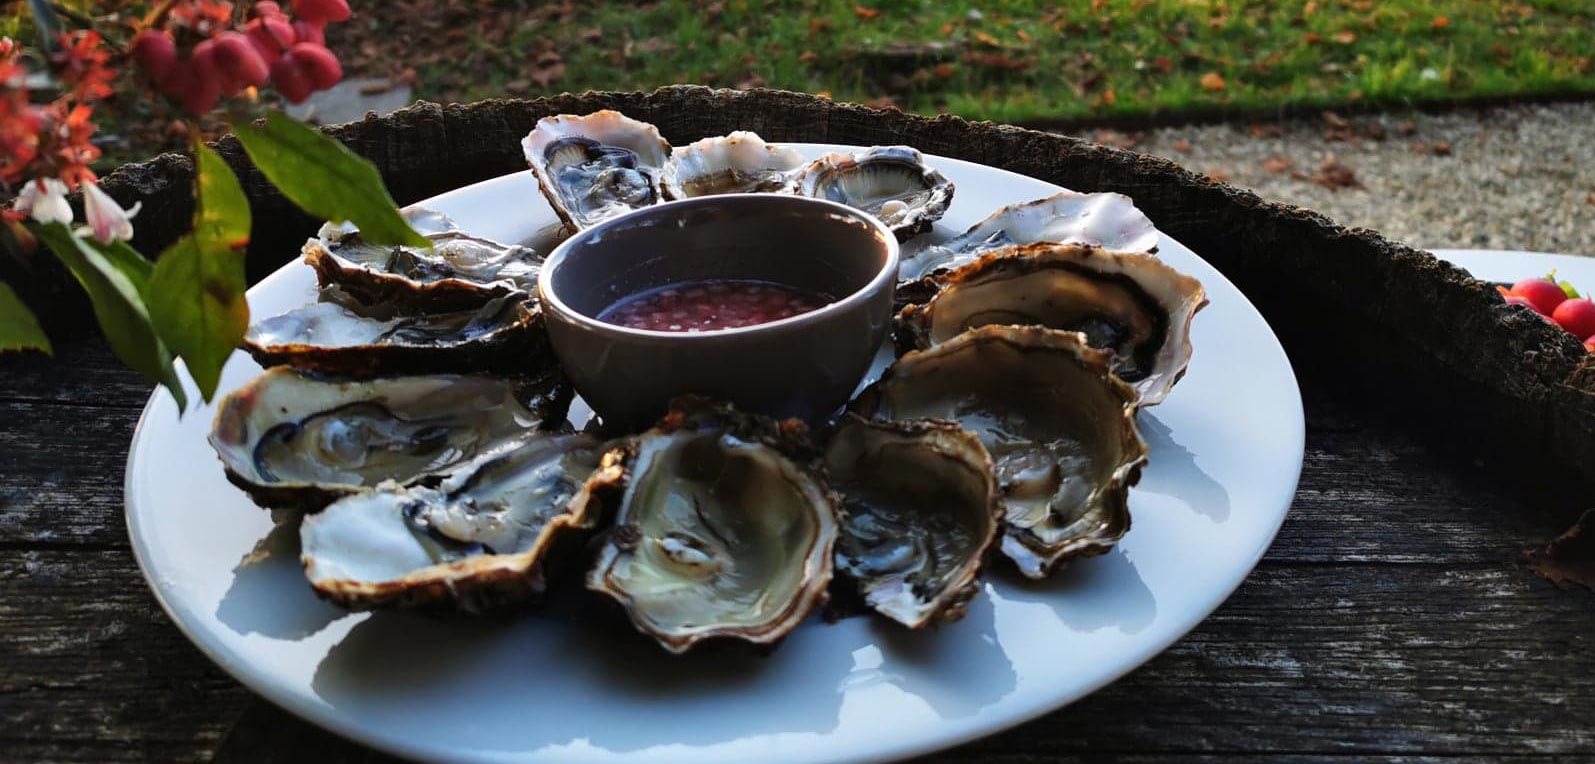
(1278,164)
(1569,558)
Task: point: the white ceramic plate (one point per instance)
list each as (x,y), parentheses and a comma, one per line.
(570,685)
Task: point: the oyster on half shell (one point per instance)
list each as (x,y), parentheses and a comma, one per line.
(1059,427)
(1107,220)
(1129,303)
(717,531)
(890,182)
(477,542)
(920,510)
(739,163)
(459,271)
(292,440)
(340,336)
(594,167)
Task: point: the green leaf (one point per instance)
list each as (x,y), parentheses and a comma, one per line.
(325,178)
(19,330)
(127,260)
(117,307)
(197,290)
(1567,288)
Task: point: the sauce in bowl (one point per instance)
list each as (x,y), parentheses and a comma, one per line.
(710,304)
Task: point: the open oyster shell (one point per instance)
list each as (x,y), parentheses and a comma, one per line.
(1129,303)
(294,441)
(739,163)
(594,167)
(1107,220)
(460,271)
(477,542)
(340,336)
(920,510)
(1059,427)
(890,182)
(717,532)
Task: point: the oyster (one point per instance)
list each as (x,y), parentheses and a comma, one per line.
(459,271)
(1110,221)
(476,542)
(338,335)
(739,163)
(890,182)
(1059,427)
(920,509)
(718,533)
(594,167)
(291,440)
(1130,303)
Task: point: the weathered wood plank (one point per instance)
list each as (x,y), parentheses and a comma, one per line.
(82,373)
(1330,659)
(62,468)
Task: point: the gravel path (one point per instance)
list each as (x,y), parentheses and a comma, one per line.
(1512,178)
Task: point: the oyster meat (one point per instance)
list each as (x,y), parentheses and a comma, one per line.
(340,336)
(292,440)
(459,271)
(890,182)
(594,167)
(718,533)
(476,542)
(1130,303)
(920,510)
(739,163)
(1107,220)
(1059,427)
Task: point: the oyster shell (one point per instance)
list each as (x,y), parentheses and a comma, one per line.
(920,510)
(890,182)
(460,271)
(476,542)
(739,163)
(1110,221)
(594,167)
(1130,303)
(339,336)
(718,533)
(292,440)
(1059,427)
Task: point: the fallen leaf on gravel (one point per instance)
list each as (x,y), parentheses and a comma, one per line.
(1116,139)
(1345,37)
(1335,175)
(1219,174)
(1183,146)
(1277,164)
(1441,148)
(1267,131)
(1569,558)
(1334,120)
(1590,199)
(1213,82)
(1406,129)
(1375,131)
(866,13)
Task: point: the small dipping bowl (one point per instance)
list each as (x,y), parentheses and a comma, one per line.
(803,366)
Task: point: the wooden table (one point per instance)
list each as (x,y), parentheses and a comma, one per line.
(1390,621)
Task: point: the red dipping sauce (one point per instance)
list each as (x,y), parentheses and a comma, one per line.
(703,306)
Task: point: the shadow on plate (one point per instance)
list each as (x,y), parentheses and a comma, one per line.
(254,603)
(1172,471)
(957,668)
(1090,594)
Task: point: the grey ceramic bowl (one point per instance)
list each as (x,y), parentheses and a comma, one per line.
(804,366)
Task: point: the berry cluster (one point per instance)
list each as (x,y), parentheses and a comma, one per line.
(1559,303)
(52,140)
(223,60)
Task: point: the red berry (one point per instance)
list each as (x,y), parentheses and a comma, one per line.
(305,31)
(266,9)
(290,80)
(207,67)
(320,66)
(154,50)
(239,61)
(1543,295)
(1576,316)
(190,87)
(322,11)
(271,36)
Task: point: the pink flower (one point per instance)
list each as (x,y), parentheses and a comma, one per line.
(107,220)
(44,199)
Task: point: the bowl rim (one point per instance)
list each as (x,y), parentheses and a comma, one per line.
(885,276)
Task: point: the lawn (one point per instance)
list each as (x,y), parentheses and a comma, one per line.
(1015,61)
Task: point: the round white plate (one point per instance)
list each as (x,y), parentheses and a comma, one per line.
(573,685)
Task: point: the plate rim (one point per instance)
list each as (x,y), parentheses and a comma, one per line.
(959,732)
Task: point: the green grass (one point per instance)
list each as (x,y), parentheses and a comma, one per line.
(1079,59)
